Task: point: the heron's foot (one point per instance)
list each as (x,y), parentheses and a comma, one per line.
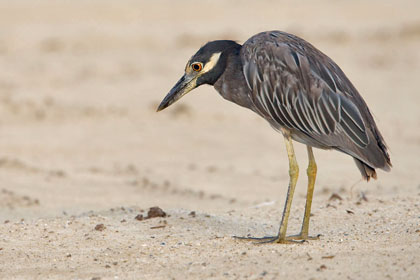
(270,239)
(303,237)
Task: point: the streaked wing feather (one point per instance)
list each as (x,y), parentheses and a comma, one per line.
(301,91)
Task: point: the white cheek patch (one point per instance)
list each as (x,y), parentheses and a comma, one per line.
(211,63)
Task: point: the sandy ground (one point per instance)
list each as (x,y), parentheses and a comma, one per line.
(82,151)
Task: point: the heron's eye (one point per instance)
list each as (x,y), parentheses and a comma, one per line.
(197,67)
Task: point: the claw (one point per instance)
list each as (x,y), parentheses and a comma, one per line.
(269,239)
(248,238)
(303,237)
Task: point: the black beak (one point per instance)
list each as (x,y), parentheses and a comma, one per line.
(182,87)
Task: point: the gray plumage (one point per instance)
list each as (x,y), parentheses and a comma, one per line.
(293,85)
(302,93)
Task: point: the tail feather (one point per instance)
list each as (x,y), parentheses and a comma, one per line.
(366,171)
(375,155)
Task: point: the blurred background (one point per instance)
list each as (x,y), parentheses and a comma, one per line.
(83,151)
(80,82)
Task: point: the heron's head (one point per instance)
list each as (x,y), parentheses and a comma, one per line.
(204,67)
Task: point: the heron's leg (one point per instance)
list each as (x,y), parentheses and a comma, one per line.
(293,174)
(311,171)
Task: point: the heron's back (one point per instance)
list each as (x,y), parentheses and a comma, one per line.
(298,88)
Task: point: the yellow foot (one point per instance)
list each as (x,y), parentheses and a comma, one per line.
(270,239)
(302,237)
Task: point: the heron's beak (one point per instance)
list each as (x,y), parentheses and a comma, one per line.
(182,87)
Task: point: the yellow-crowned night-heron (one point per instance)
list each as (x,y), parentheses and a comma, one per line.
(301,92)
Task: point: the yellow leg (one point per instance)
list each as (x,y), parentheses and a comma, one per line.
(311,171)
(293,173)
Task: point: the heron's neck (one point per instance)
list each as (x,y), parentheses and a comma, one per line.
(231,84)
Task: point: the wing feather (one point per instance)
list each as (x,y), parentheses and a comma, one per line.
(301,92)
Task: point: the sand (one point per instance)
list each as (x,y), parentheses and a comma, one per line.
(83,152)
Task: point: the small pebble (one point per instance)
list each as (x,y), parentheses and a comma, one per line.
(100,227)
